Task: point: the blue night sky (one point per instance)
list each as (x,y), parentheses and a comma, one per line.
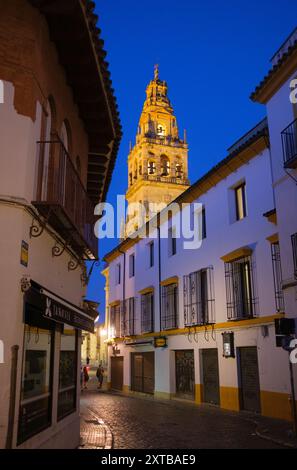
(212,54)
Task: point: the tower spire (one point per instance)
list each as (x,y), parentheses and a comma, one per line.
(156,72)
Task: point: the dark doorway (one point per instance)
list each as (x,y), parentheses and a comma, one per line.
(143,372)
(185,374)
(210,371)
(249,381)
(117,373)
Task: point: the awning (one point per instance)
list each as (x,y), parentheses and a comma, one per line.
(54,308)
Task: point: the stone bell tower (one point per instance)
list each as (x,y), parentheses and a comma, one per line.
(158,162)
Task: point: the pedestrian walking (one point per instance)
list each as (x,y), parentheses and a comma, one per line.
(86,376)
(100,375)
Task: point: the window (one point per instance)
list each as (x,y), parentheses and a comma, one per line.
(294,248)
(132,265)
(240,201)
(178,170)
(36,387)
(128,317)
(67,373)
(199,298)
(169,312)
(161,131)
(151,168)
(115,320)
(165,166)
(277,276)
(172,241)
(151,247)
(147,312)
(241,301)
(118,273)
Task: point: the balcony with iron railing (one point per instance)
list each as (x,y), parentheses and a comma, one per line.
(289,143)
(165,179)
(63,200)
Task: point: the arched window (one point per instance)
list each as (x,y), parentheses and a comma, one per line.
(161,131)
(48,131)
(178,169)
(165,166)
(151,167)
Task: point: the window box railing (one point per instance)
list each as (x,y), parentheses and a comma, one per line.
(63,200)
(128,326)
(169,310)
(289,142)
(147,312)
(240,289)
(199,298)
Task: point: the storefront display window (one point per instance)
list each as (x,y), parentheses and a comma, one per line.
(67,372)
(36,390)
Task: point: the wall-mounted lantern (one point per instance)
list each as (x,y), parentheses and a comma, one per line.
(228,344)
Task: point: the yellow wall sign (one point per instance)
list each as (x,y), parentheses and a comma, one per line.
(24,254)
(160,342)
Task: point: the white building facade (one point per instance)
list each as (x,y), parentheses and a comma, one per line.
(200,324)
(47,215)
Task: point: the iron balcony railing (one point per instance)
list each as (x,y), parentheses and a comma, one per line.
(199,299)
(165,141)
(166,179)
(61,194)
(289,143)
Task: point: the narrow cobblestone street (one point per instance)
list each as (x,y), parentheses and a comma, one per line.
(144,423)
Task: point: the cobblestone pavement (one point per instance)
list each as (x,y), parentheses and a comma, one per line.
(94,434)
(145,423)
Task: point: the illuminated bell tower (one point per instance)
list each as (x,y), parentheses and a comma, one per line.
(158,162)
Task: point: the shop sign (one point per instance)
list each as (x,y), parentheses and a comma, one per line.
(160,342)
(59,312)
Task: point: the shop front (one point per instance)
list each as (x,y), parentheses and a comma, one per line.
(50,377)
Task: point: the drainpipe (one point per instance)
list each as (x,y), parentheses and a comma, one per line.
(160,274)
(12,397)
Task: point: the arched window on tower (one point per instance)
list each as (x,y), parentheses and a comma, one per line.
(165,166)
(178,170)
(151,167)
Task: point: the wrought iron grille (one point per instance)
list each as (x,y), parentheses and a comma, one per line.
(147,312)
(294,248)
(115,320)
(169,312)
(199,302)
(277,276)
(128,317)
(240,289)
(289,142)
